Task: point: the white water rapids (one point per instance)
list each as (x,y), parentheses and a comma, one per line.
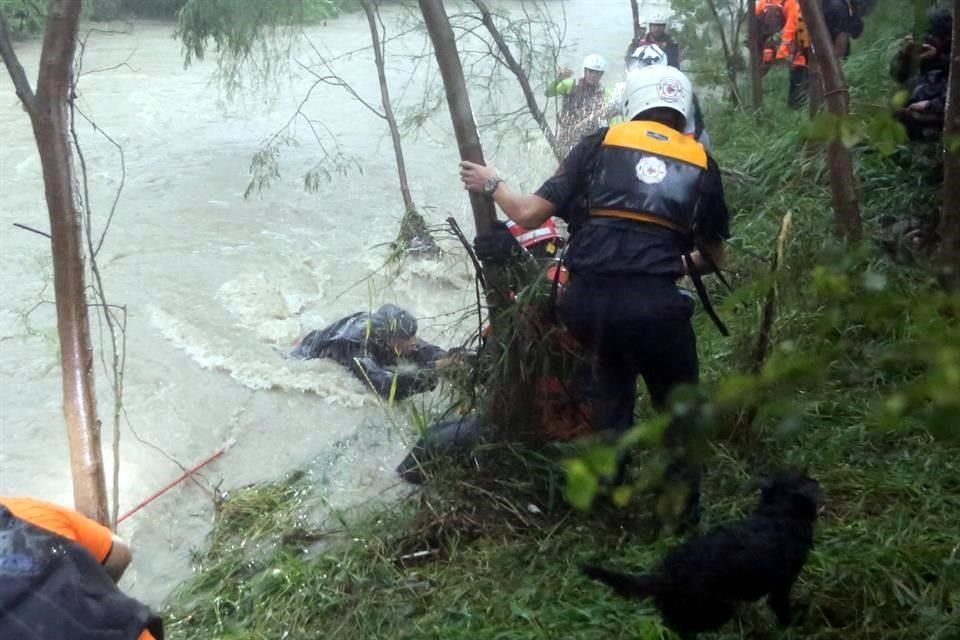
(217,287)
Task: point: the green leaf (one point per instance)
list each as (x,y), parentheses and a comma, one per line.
(602,460)
(521,612)
(649,432)
(581,484)
(850,133)
(952,143)
(823,128)
(899,99)
(621,496)
(886,133)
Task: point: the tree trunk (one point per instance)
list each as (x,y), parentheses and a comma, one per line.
(387,107)
(522,78)
(510,397)
(635,9)
(949,252)
(814,85)
(756,51)
(846,204)
(728,53)
(49,115)
(464,127)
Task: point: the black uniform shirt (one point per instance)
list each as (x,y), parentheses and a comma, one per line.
(612,246)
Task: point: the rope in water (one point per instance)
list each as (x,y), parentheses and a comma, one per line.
(216,454)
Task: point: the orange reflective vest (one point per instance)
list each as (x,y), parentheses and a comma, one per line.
(795,40)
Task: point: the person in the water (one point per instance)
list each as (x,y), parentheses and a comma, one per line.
(374,346)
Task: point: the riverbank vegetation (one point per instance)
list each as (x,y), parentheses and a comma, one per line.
(845,362)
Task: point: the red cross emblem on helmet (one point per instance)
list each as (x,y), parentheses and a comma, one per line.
(670,90)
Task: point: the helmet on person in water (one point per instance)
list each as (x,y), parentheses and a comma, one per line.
(595,62)
(390,321)
(646,56)
(658,86)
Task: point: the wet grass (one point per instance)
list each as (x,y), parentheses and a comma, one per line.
(495,555)
(495,558)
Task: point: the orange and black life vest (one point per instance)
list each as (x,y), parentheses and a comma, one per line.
(647,172)
(51,588)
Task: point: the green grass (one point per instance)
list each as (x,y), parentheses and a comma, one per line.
(495,555)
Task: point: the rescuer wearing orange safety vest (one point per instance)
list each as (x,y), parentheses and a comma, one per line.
(771,19)
(795,48)
(654,213)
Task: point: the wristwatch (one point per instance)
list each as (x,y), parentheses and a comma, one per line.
(491,185)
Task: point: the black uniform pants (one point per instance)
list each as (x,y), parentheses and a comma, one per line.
(636,326)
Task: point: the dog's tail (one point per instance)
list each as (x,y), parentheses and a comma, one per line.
(625,584)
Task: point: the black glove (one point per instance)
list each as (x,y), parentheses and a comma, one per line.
(497,245)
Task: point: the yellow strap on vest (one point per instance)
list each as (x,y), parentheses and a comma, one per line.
(658,139)
(638,217)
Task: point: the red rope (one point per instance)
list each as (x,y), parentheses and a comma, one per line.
(216,454)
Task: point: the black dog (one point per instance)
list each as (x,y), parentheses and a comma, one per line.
(698,584)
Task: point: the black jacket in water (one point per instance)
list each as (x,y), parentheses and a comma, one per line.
(51,588)
(362,343)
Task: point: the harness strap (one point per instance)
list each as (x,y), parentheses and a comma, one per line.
(702,292)
(637,216)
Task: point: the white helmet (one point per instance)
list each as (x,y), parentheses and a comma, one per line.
(657,86)
(646,56)
(595,62)
(658,18)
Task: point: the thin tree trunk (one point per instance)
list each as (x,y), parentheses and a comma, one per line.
(846,204)
(464,126)
(635,9)
(49,115)
(522,78)
(510,400)
(727,53)
(756,51)
(949,252)
(814,85)
(387,107)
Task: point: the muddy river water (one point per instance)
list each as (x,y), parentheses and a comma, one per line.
(217,287)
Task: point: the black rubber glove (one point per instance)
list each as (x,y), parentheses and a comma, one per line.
(497,245)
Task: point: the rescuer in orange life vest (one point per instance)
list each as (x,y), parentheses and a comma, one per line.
(843,20)
(58,573)
(795,49)
(771,19)
(654,213)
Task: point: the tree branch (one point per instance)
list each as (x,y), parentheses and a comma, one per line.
(511,63)
(14,68)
